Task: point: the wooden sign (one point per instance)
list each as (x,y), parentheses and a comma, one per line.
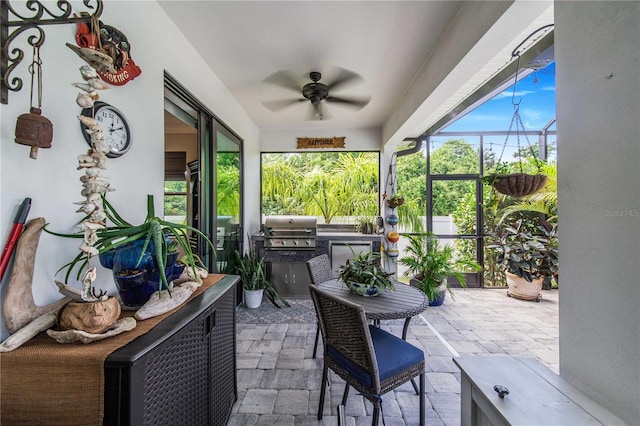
(321,142)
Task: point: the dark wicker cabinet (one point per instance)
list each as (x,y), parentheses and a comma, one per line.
(183,371)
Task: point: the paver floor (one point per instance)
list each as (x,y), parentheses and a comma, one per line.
(279,381)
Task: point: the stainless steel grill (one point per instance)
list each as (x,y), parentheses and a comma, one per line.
(290,233)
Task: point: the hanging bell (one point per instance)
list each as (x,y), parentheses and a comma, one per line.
(35,130)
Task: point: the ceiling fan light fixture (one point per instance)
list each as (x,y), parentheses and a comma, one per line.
(315,92)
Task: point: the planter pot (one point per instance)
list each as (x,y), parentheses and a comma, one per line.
(127,255)
(395,203)
(523,289)
(519,184)
(366,290)
(136,287)
(136,282)
(253,298)
(440,295)
(366,228)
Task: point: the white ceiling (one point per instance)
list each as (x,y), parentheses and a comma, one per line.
(387,43)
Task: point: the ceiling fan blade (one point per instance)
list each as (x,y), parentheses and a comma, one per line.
(276,106)
(344,77)
(284,79)
(350,102)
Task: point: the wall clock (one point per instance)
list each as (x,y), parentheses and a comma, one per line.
(116,131)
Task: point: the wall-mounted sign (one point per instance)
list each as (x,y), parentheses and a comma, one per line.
(321,142)
(114,43)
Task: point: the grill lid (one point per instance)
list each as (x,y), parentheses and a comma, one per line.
(284,223)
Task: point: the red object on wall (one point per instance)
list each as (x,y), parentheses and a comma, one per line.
(16,230)
(116,45)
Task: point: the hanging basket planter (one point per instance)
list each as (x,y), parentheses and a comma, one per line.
(519,184)
(395,201)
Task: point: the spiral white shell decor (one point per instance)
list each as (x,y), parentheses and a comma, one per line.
(95,182)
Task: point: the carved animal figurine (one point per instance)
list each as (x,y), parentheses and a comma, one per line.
(92,317)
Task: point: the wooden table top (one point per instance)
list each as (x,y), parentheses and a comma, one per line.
(405,302)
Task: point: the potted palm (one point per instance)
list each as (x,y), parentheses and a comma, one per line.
(364,274)
(254,280)
(530,261)
(429,265)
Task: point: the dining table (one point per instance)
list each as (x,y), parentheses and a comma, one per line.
(404,302)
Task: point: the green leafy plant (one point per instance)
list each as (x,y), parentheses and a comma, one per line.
(253,276)
(366,225)
(525,255)
(430,264)
(165,237)
(366,268)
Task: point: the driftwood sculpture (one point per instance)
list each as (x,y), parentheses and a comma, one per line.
(19,308)
(29,331)
(74,336)
(91,317)
(162,302)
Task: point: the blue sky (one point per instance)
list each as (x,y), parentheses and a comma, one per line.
(536,94)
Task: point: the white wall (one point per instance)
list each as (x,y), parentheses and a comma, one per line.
(598,103)
(52,180)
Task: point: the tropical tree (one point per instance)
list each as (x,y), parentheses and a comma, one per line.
(455,156)
(328,185)
(228,191)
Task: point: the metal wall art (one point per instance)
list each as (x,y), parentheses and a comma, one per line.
(36,15)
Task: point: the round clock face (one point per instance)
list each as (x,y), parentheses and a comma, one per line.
(117,135)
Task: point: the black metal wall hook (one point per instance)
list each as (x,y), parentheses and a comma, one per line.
(38,15)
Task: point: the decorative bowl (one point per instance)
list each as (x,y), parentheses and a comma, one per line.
(366,290)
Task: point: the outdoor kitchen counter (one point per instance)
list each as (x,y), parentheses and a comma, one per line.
(323,240)
(342,236)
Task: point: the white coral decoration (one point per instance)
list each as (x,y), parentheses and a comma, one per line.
(95,181)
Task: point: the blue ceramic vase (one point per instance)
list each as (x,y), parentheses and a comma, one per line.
(136,282)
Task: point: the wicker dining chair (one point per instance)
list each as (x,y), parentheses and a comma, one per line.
(320,271)
(367,358)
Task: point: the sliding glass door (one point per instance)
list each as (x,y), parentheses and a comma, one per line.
(213,178)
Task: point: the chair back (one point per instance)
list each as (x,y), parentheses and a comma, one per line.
(319,269)
(345,330)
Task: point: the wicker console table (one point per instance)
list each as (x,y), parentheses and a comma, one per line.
(181,370)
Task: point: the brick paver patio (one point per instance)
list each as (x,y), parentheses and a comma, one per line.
(278,380)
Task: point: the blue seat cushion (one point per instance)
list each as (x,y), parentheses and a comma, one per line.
(393,354)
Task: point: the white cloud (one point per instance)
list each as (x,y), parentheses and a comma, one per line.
(518,93)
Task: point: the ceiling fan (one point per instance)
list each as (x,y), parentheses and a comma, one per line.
(315,93)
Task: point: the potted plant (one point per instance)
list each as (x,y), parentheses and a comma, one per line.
(254,280)
(366,225)
(530,261)
(147,253)
(395,200)
(429,265)
(364,274)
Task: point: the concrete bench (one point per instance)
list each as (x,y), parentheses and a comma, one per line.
(537,396)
